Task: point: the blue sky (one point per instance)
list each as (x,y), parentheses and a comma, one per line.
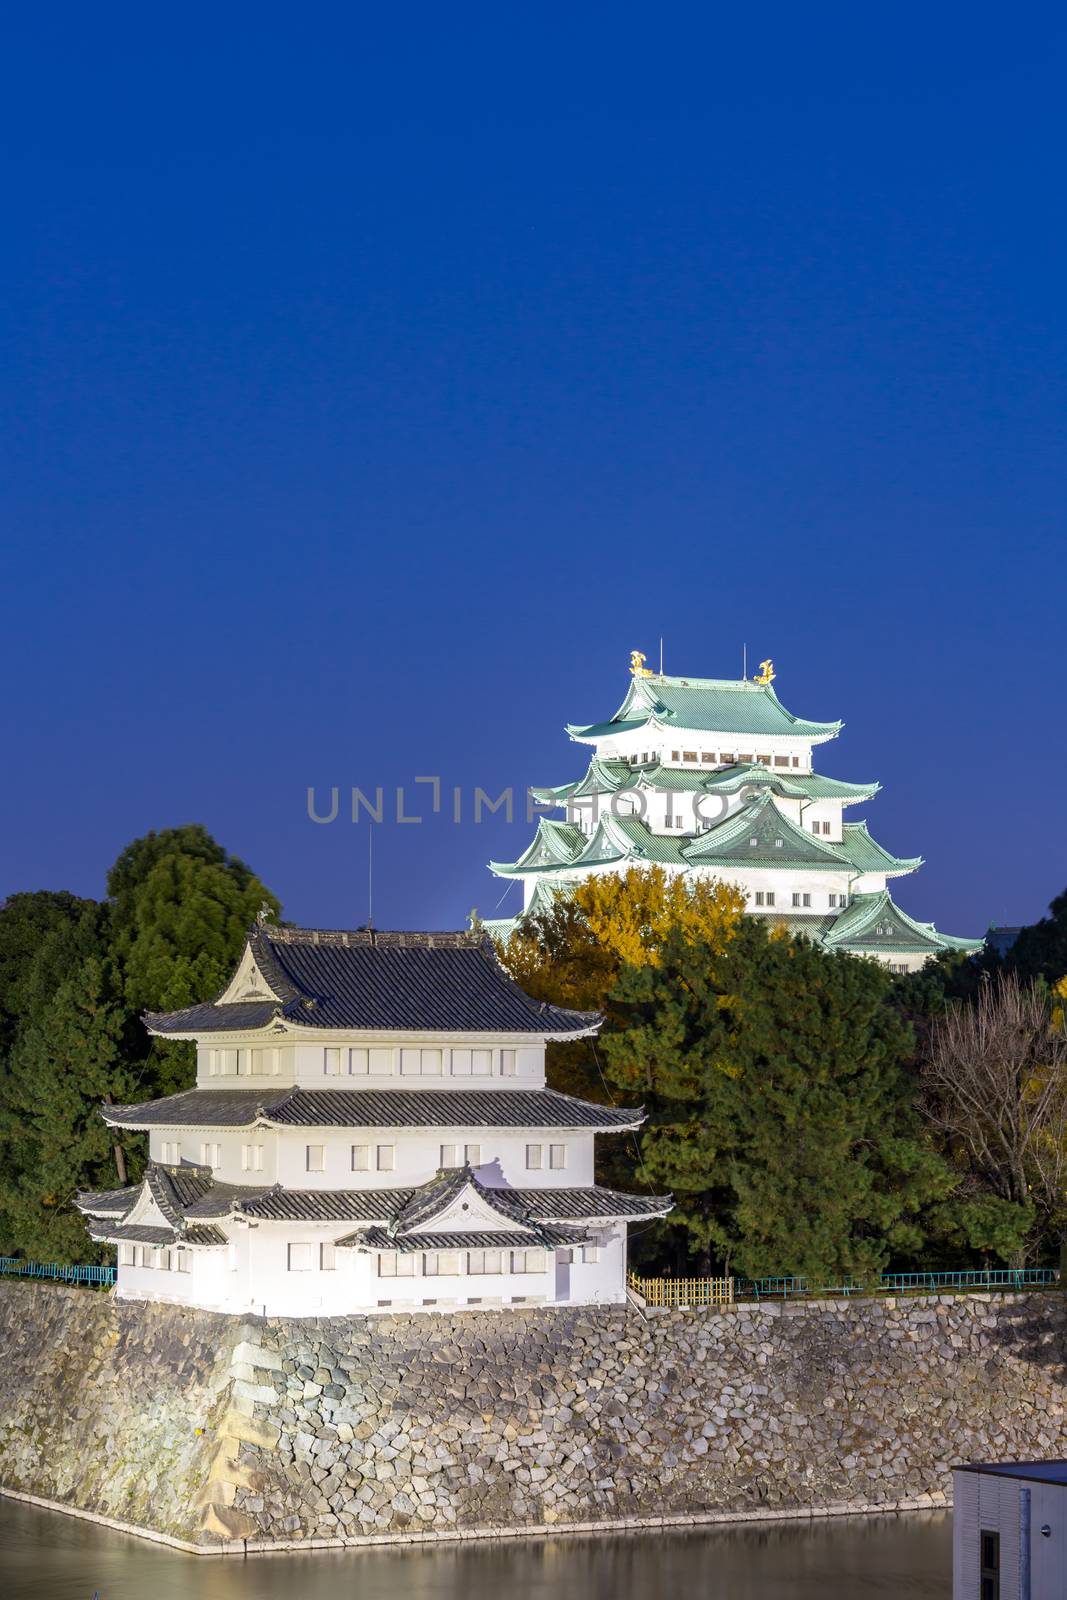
(374,382)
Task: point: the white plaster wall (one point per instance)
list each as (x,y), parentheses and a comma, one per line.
(304,1062)
(253,1274)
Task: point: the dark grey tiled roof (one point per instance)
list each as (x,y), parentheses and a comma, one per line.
(373,1108)
(418,982)
(203,1236)
(574,1204)
(107,1202)
(325,1205)
(514,1239)
(119,1233)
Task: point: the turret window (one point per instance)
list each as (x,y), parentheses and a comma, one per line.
(534,1157)
(171,1153)
(708,757)
(327,1257)
(386,1157)
(332,1062)
(557,1157)
(315,1158)
(361,1158)
(299,1257)
(781,761)
(689,755)
(251,1158)
(805,899)
(472,1063)
(211,1156)
(765,897)
(508,1066)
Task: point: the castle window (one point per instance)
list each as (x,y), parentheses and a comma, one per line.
(753,843)
(508,1065)
(708,757)
(806,899)
(251,1158)
(299,1257)
(534,1157)
(171,1153)
(361,1158)
(760,897)
(386,1157)
(770,897)
(781,761)
(431,1063)
(764,760)
(779,844)
(796,761)
(450,1155)
(557,1157)
(358,1062)
(211,1156)
(745,760)
(184,1262)
(527,1261)
(227,1061)
(315,1158)
(826,827)
(473,1155)
(689,755)
(125,1255)
(727,758)
(815,827)
(796,899)
(675,756)
(331,1063)
(327,1257)
(989,1570)
(590,1254)
(483,1261)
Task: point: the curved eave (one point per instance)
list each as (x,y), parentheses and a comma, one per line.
(596,731)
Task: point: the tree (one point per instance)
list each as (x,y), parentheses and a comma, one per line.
(780,1108)
(994,1082)
(28,923)
(572,955)
(1040,951)
(180,909)
(66,1060)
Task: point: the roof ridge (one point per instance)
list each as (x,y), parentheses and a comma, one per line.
(428,938)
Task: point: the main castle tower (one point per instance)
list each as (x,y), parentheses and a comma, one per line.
(714,778)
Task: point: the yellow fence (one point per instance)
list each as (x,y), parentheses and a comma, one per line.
(683,1291)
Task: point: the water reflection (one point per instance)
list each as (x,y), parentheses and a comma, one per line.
(44,1556)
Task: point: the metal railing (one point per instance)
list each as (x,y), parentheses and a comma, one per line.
(11,1267)
(892,1283)
(663,1292)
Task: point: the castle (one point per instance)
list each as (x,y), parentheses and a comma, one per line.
(714,778)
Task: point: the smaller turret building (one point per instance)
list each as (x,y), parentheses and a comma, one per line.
(370,1131)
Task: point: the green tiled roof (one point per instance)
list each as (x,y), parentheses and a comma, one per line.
(873,924)
(607,777)
(867,855)
(749,838)
(555,844)
(711,705)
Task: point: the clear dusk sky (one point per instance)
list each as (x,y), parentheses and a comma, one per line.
(375,379)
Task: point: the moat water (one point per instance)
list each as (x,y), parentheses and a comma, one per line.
(45,1556)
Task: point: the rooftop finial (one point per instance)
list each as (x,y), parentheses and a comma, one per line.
(637,664)
(265,912)
(766,674)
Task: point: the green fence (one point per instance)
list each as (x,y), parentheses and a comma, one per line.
(11,1267)
(978,1278)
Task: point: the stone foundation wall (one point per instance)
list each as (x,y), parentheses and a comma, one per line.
(216,1430)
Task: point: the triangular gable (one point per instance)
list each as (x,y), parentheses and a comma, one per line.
(873,921)
(248,982)
(607,844)
(469,1211)
(146,1212)
(762,821)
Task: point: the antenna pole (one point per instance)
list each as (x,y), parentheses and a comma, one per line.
(744,662)
(370,876)
(661,656)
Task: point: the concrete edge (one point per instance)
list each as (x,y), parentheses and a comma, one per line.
(606,1525)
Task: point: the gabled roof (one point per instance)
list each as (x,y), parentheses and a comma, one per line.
(610,777)
(371,1108)
(873,923)
(406,1244)
(370,980)
(712,705)
(750,838)
(218,1201)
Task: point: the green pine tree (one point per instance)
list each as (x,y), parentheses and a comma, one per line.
(780,1105)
